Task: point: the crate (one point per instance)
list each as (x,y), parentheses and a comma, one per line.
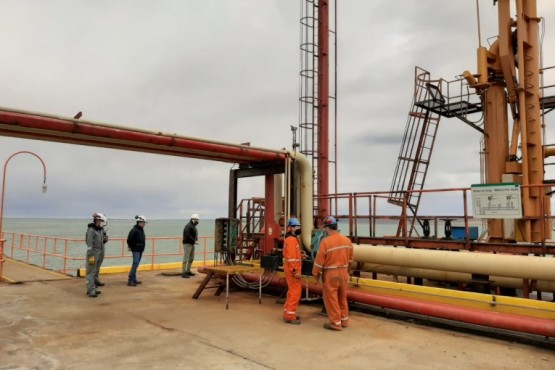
(270,262)
(458,232)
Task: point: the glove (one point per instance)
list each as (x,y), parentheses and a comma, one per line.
(105,239)
(91,260)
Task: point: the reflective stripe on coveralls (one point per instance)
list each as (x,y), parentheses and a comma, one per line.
(291,267)
(332,262)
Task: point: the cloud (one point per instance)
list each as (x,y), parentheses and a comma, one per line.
(226,71)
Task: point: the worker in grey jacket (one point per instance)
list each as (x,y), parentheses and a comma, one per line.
(95,238)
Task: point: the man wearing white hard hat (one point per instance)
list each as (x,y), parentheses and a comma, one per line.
(95,238)
(190,238)
(136,242)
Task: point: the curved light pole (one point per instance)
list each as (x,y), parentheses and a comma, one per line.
(2,200)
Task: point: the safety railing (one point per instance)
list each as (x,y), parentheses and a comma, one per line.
(66,255)
(370,215)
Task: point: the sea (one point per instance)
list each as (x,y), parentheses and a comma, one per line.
(76,228)
(59,244)
(47,240)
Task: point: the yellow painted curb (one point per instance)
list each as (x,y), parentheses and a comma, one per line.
(147,267)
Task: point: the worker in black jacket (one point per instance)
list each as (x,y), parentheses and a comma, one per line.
(136,242)
(190,238)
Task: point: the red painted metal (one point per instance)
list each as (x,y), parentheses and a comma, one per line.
(269,211)
(323,106)
(517,323)
(67,130)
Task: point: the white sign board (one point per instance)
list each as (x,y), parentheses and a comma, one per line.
(496,200)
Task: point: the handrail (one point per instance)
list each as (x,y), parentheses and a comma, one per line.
(361,211)
(66,255)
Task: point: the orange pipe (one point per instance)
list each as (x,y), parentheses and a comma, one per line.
(59,129)
(522,324)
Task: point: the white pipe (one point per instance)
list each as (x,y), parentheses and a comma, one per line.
(305,170)
(516,266)
(457,277)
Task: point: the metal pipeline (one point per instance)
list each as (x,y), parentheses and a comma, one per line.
(305,170)
(515,266)
(456,277)
(41,126)
(522,324)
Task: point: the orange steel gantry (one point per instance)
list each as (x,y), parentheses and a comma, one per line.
(508,81)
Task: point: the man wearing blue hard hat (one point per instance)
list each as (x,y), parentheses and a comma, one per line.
(332,263)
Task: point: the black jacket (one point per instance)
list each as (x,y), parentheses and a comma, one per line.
(136,239)
(190,233)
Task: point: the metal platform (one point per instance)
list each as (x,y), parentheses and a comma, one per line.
(45,324)
(20,272)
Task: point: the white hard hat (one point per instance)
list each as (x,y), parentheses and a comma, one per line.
(195,216)
(100,216)
(140,218)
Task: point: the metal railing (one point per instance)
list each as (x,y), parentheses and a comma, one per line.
(369,214)
(66,255)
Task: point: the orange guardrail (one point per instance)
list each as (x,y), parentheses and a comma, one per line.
(66,255)
(366,214)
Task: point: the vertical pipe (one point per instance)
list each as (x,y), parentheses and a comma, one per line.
(467,239)
(269,215)
(335,105)
(323,106)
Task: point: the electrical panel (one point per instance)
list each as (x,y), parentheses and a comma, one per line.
(226,234)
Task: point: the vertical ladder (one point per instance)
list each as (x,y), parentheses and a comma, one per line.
(416,148)
(308,100)
(309,120)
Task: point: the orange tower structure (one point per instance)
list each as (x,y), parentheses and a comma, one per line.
(508,81)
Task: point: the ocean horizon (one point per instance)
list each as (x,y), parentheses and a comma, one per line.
(163,239)
(75,228)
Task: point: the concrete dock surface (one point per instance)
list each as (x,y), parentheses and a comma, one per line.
(52,324)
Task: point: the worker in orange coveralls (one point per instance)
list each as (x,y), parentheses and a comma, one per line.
(333,260)
(292,263)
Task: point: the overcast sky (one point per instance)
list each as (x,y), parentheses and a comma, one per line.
(227,71)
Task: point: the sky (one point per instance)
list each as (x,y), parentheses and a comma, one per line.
(225,71)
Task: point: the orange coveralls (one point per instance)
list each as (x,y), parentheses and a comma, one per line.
(332,262)
(292,264)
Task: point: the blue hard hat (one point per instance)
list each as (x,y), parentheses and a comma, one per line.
(293,222)
(329,221)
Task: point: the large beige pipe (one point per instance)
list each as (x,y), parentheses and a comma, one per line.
(305,170)
(522,267)
(456,277)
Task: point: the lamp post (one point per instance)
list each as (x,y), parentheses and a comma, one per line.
(2,200)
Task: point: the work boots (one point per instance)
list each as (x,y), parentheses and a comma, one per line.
(294,321)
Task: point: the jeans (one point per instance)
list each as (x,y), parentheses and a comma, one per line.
(133,272)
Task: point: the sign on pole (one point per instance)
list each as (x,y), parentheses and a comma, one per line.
(496,200)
